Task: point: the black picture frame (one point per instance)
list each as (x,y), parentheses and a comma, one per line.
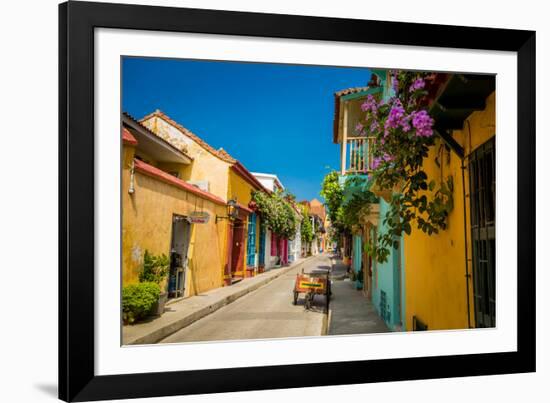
(77,21)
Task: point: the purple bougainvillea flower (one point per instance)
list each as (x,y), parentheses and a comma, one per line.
(395,84)
(359,128)
(397,118)
(370,105)
(387,157)
(418,84)
(423,123)
(374,126)
(397,113)
(376,163)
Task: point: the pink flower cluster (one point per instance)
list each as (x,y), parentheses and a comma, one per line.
(397,118)
(423,123)
(377,161)
(370,104)
(418,84)
(374,126)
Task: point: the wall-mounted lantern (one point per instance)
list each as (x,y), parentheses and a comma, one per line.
(232,211)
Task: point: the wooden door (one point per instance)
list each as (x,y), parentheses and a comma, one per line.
(237,254)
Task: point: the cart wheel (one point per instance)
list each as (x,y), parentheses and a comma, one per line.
(295,299)
(309,299)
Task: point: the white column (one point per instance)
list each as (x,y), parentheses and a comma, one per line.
(343,149)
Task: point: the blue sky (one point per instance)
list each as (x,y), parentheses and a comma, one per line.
(273,118)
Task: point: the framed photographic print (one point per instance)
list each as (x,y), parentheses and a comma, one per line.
(258,201)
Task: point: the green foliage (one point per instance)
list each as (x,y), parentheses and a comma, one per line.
(155,268)
(403,134)
(277,212)
(346,204)
(306,229)
(358,203)
(138,300)
(333,194)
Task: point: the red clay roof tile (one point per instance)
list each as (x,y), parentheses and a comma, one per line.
(156,173)
(221,153)
(128,138)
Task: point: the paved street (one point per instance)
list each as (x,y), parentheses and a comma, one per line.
(265,313)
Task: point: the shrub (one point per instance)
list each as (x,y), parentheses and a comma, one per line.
(155,268)
(138,300)
(276,211)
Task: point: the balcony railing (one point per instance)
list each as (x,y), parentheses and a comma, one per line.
(359,155)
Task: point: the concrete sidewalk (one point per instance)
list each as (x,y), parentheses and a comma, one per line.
(350,311)
(339,270)
(183,313)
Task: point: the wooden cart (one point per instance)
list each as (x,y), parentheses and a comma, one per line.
(311,284)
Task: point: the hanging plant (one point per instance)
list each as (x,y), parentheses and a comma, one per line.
(277,213)
(403,132)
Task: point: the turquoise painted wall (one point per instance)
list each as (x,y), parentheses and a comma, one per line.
(357,257)
(357,243)
(388,279)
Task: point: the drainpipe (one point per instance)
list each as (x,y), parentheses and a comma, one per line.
(467,274)
(131,188)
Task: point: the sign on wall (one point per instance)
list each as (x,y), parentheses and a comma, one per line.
(198,217)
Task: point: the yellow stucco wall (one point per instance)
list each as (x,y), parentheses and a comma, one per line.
(147,224)
(435,266)
(238,187)
(205,165)
(222,180)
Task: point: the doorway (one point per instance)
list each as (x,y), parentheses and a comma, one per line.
(181,232)
(237,249)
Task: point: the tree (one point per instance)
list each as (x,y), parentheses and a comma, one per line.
(306,229)
(277,212)
(333,194)
(403,132)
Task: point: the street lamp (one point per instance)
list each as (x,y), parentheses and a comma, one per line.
(232,211)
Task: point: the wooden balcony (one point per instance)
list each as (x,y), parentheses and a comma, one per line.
(357,156)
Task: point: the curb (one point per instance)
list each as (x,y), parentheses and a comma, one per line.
(328,317)
(165,331)
(326,322)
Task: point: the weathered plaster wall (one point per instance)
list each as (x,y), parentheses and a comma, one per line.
(296,244)
(147,224)
(436,264)
(205,165)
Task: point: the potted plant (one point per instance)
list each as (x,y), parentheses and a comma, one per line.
(155,270)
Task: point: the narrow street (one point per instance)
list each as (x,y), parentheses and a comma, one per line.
(265,313)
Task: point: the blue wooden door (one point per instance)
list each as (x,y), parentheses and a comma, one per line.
(251,244)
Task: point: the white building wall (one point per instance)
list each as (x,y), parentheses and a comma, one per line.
(270,261)
(268,183)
